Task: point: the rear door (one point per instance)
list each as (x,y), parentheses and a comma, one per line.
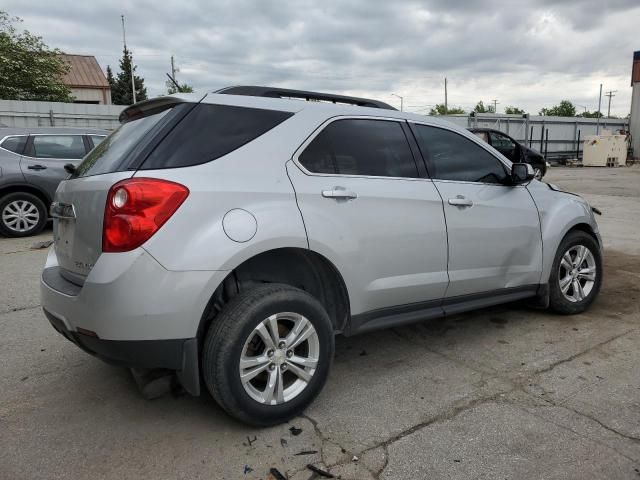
(493,228)
(46,155)
(367,208)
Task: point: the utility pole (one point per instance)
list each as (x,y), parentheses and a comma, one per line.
(446,104)
(124,41)
(495,105)
(598,115)
(173,68)
(610,93)
(401,101)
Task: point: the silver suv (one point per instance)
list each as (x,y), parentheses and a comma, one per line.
(32,164)
(230,237)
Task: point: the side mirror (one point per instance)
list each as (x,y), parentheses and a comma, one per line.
(521,173)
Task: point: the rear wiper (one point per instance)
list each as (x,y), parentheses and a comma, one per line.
(70,168)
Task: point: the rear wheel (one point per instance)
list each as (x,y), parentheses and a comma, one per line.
(268,353)
(21,214)
(577,273)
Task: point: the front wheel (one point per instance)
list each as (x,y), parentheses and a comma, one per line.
(576,274)
(268,353)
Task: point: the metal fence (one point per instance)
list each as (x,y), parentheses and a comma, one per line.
(16,113)
(555,137)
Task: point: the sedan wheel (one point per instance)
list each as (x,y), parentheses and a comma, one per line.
(537,173)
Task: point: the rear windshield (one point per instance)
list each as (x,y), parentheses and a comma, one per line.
(209,132)
(111,154)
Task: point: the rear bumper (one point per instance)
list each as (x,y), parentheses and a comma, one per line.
(180,355)
(131,311)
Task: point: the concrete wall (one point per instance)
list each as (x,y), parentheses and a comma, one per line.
(563,131)
(15,113)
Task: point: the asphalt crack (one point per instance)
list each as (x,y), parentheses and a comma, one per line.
(579,354)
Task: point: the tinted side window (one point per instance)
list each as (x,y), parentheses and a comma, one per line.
(211,131)
(501,143)
(361,147)
(14,144)
(57,146)
(451,156)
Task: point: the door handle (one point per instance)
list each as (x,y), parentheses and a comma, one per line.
(37,167)
(460,201)
(339,193)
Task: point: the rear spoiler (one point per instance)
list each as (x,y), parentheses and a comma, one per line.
(154,105)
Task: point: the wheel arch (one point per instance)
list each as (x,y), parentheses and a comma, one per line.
(299,267)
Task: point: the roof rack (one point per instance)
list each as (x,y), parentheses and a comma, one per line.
(273,92)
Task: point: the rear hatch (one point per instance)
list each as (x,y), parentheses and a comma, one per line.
(79,203)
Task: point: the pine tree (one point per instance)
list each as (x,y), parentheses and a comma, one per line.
(110,78)
(121,86)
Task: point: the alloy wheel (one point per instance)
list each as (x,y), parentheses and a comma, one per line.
(537,173)
(20,216)
(577,273)
(279,358)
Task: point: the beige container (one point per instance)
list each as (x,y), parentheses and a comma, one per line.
(604,151)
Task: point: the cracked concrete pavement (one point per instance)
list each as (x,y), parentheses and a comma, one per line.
(505,392)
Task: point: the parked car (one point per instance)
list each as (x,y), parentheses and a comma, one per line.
(231,237)
(513,150)
(32,164)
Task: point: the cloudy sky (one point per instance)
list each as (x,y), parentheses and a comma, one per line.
(527,53)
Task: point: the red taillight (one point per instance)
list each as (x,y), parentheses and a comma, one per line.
(136,208)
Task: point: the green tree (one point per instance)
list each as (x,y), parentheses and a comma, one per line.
(121,88)
(440,109)
(564,109)
(110,78)
(181,88)
(513,110)
(588,114)
(29,70)
(480,108)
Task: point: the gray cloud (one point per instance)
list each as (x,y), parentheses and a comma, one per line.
(526,53)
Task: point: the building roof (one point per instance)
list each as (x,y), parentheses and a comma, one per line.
(84,72)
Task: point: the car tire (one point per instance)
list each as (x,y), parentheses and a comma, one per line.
(576,275)
(22,214)
(241,336)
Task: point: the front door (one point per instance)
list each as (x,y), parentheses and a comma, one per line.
(493,228)
(505,146)
(368,210)
(45,157)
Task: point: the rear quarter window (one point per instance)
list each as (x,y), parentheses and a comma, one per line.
(209,132)
(14,144)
